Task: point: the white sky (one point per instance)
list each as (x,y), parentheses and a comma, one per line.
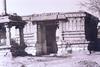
(27,7)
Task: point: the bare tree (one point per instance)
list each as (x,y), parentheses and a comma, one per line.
(92,5)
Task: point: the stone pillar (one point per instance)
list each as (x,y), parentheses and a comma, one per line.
(21,35)
(8,35)
(44,44)
(41,47)
(38,45)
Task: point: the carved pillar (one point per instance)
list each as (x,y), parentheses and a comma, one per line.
(8,35)
(38,46)
(43,39)
(41,47)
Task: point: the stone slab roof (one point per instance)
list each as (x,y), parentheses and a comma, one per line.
(45,17)
(55,16)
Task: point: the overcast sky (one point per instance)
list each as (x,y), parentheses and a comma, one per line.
(27,7)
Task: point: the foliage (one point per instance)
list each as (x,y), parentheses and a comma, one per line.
(92,5)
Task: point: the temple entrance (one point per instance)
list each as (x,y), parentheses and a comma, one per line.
(46,38)
(46,32)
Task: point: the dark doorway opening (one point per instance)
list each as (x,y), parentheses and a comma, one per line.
(51,39)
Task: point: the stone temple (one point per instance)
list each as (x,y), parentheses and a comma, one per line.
(46,33)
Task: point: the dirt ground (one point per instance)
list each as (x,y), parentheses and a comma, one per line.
(76,59)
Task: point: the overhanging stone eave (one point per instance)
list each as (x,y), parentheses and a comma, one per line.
(50,20)
(14,23)
(10,21)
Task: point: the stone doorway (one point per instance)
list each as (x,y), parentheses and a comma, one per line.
(46,38)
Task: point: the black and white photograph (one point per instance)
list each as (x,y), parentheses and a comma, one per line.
(49,33)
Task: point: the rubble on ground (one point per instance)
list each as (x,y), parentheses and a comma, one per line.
(87,63)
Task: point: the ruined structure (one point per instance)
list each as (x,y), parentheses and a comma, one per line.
(43,31)
(6,23)
(43,28)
